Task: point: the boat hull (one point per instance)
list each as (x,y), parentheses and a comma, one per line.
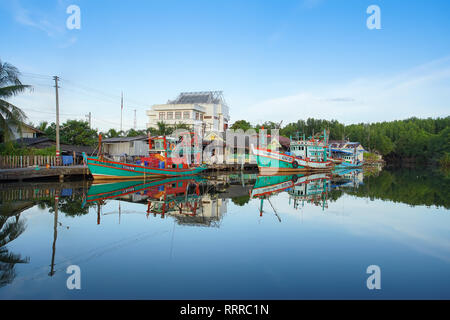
(111,170)
(270,162)
(348,165)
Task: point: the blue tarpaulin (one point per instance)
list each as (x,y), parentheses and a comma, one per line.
(66,192)
(67,160)
(343,151)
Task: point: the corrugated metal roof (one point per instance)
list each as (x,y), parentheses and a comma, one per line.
(125,139)
(199,97)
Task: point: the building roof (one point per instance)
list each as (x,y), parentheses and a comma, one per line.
(215,97)
(125,139)
(344,144)
(45,142)
(32,128)
(29,142)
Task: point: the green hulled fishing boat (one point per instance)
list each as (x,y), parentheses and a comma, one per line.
(158,163)
(304,155)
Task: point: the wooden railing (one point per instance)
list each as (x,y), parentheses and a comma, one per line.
(7,162)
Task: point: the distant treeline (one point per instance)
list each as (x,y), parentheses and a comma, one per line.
(425,140)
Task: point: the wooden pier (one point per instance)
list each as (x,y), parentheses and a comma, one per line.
(61,172)
(58,172)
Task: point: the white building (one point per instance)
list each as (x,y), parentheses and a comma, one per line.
(205,110)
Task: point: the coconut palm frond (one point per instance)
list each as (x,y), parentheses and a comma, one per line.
(12,258)
(11,111)
(10,116)
(9,91)
(9,74)
(10,231)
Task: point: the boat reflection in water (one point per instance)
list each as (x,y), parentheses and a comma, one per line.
(196,200)
(302,189)
(305,189)
(188,199)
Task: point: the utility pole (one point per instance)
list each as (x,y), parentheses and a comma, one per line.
(55,233)
(89,117)
(121,111)
(57,119)
(134,119)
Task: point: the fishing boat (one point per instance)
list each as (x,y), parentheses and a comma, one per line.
(346,155)
(158,163)
(304,155)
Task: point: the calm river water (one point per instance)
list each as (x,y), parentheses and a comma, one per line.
(239,236)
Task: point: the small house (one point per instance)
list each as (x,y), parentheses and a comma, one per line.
(348,150)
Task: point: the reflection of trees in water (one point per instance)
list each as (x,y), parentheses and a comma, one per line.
(411,186)
(241,200)
(70,206)
(9,231)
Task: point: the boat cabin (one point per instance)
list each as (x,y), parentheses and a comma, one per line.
(314,148)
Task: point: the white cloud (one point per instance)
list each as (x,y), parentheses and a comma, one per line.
(35,19)
(421,91)
(51,24)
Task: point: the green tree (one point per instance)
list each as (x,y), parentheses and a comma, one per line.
(43,126)
(182,125)
(111,133)
(241,124)
(163,129)
(241,200)
(135,133)
(10,115)
(77,132)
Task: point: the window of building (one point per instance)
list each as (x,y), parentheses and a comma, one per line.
(196,116)
(161,116)
(169,115)
(201,116)
(178,115)
(186,115)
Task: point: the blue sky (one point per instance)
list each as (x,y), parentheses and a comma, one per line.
(274,60)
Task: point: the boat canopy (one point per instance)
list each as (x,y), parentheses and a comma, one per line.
(342,151)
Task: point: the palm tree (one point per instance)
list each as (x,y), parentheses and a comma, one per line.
(10,115)
(112,133)
(9,231)
(43,125)
(163,129)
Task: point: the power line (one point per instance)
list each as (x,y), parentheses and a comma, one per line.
(112,97)
(49,112)
(106,94)
(36,75)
